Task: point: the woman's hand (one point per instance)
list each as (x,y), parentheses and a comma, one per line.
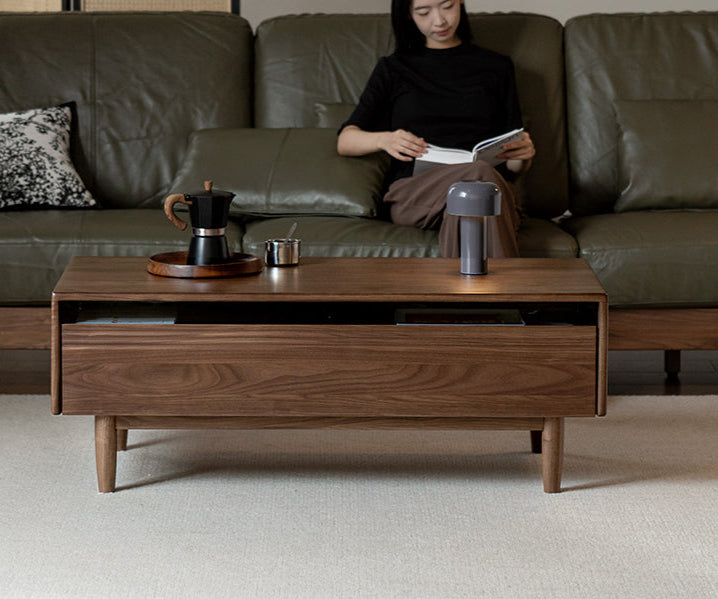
(401,144)
(518,154)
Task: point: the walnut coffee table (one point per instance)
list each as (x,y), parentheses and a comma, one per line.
(343,343)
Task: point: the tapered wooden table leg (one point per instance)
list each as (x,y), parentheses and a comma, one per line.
(105,452)
(552,454)
(121,439)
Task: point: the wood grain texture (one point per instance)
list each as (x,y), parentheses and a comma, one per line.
(250,423)
(105,453)
(174,264)
(349,370)
(552,450)
(25,328)
(663,329)
(325,370)
(602,360)
(340,279)
(56,360)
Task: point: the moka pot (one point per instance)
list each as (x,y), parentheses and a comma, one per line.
(208,213)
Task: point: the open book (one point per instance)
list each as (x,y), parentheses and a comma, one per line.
(485,150)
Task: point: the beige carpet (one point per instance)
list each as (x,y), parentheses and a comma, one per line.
(363,514)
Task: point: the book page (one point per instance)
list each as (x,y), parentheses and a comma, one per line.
(446,155)
(436,156)
(488,149)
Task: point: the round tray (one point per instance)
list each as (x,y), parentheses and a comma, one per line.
(174,264)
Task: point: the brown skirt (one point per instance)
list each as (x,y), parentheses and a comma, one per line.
(420,201)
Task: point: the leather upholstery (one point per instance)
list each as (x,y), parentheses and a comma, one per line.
(283,171)
(37,245)
(142,83)
(361,237)
(667,159)
(643,258)
(652,258)
(345,237)
(541,238)
(628,57)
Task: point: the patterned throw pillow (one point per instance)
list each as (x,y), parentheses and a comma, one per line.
(36,170)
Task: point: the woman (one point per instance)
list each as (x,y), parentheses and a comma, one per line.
(441,89)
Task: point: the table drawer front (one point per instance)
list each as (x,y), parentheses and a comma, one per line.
(327,370)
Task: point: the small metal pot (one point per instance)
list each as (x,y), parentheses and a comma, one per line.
(281,252)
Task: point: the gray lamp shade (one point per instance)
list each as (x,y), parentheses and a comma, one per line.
(473,198)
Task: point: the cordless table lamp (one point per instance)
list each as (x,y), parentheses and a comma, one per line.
(473,202)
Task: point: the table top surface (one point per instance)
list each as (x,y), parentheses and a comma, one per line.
(337,280)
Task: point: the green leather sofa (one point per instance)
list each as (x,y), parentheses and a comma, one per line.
(167,100)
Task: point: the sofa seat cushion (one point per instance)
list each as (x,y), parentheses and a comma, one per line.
(540,238)
(283,171)
(337,236)
(36,246)
(344,237)
(652,258)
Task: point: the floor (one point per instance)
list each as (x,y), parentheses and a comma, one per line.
(642,373)
(629,373)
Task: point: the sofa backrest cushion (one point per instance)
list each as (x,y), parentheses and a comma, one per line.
(306,63)
(615,58)
(666,157)
(289,171)
(141,82)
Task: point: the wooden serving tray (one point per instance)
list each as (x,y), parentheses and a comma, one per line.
(174,264)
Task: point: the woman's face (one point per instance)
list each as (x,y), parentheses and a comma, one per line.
(437,20)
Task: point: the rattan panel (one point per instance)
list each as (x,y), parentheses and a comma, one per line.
(30,5)
(135,5)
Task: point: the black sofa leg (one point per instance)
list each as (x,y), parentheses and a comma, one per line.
(536,441)
(672,363)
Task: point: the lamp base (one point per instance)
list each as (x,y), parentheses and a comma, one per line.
(474,245)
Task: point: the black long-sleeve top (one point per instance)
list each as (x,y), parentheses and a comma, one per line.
(451,97)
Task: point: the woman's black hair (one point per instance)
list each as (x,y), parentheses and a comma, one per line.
(408,37)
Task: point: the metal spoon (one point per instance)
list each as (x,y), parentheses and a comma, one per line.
(291,231)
